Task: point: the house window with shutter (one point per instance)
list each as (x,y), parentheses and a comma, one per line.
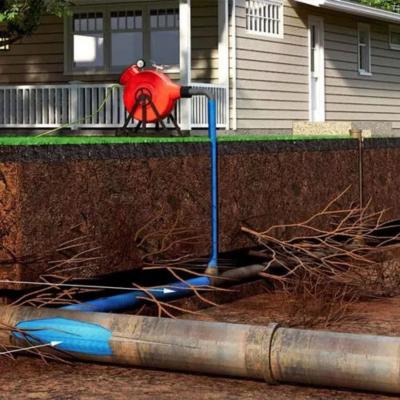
(364,49)
(265,17)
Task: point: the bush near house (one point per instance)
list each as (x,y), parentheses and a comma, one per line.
(19,18)
(391,5)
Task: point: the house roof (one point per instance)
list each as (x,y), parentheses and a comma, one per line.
(351,7)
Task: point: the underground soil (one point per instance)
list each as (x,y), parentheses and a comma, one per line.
(105,194)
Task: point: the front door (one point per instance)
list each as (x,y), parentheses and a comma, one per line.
(317,69)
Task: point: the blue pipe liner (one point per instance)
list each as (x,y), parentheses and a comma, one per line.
(135,298)
(75,336)
(212,133)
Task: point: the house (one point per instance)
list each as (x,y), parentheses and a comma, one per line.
(270,63)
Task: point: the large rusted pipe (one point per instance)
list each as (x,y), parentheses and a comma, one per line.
(363,362)
(272,353)
(183,345)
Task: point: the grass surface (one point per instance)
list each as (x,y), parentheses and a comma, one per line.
(70,140)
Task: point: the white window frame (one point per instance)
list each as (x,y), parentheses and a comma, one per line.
(395,29)
(281,25)
(106,9)
(364,28)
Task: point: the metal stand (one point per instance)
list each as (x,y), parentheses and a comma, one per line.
(143,100)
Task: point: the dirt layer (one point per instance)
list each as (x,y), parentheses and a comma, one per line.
(105,195)
(29,378)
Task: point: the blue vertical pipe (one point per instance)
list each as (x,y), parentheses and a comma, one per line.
(212,134)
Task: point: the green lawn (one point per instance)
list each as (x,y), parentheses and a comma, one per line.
(69,140)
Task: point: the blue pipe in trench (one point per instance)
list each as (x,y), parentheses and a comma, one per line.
(212,133)
(133,299)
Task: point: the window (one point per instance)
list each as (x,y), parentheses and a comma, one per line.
(394,37)
(164,36)
(126,37)
(88,40)
(364,49)
(109,40)
(265,17)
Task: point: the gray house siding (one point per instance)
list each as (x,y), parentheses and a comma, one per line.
(370,101)
(37,59)
(273,74)
(205,41)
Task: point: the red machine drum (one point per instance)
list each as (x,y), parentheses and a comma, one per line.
(149,89)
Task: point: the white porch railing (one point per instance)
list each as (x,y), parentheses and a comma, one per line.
(75,105)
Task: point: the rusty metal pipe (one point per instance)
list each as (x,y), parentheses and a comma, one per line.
(362,362)
(182,345)
(275,354)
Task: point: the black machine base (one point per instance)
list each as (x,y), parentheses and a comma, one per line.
(143,100)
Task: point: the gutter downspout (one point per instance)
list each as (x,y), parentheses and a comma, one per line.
(272,353)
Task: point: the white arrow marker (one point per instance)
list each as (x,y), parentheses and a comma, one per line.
(51,344)
(70,285)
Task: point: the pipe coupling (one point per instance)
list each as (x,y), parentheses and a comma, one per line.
(258,352)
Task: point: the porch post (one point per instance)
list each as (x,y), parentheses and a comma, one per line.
(223,52)
(185,41)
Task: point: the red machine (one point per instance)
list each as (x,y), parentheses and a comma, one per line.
(149,96)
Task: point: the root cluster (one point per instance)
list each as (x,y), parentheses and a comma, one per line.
(330,260)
